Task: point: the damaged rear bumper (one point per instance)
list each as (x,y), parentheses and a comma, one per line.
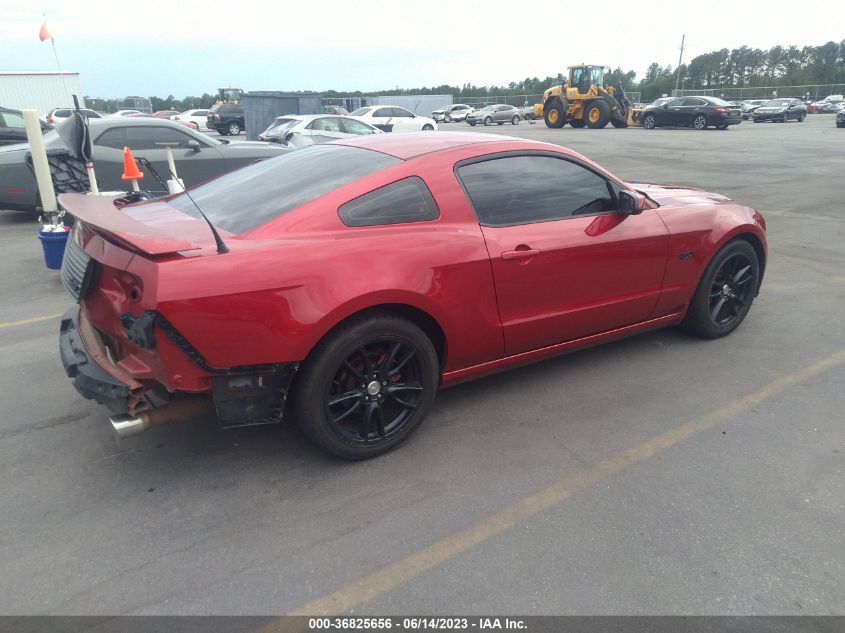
(94,376)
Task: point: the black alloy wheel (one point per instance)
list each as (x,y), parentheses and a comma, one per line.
(367,387)
(725,292)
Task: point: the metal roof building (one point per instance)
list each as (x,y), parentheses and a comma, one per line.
(42,90)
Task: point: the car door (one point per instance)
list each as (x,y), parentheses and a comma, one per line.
(326,129)
(689,108)
(192,166)
(404,121)
(670,113)
(382,118)
(566,263)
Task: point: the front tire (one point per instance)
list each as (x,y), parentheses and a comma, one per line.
(555,115)
(597,114)
(488,121)
(649,121)
(428,128)
(367,386)
(515,120)
(725,292)
(700,122)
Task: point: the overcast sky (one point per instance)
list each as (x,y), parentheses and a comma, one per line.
(187,48)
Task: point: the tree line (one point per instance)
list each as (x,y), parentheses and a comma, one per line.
(741,67)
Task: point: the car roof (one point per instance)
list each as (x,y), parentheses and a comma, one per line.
(144,121)
(407,145)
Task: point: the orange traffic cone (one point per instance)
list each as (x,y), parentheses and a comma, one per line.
(130,167)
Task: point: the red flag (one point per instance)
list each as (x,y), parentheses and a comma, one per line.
(44,33)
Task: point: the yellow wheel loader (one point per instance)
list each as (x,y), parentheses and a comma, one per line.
(583,100)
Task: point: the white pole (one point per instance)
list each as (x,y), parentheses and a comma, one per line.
(39,161)
(92,178)
(170,162)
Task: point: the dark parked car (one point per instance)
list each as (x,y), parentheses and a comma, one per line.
(227,118)
(840,117)
(198,157)
(780,111)
(538,252)
(698,112)
(12,128)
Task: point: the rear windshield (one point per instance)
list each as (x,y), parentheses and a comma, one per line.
(248,197)
(361,111)
(280,122)
(717,101)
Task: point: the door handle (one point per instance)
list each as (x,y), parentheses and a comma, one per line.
(520,253)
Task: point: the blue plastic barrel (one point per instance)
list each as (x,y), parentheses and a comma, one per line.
(53,244)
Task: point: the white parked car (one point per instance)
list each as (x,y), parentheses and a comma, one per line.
(57,115)
(454,112)
(394,119)
(200,117)
(296,130)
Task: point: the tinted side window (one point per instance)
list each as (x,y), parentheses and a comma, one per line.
(387,112)
(694,102)
(526,189)
(115,137)
(150,137)
(407,200)
(401,112)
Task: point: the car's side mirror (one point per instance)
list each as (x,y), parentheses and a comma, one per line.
(193,145)
(631,202)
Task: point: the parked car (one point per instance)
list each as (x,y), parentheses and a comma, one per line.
(126,112)
(840,117)
(697,112)
(780,111)
(394,119)
(226,118)
(198,157)
(455,112)
(13,129)
(459,282)
(829,103)
(57,115)
(165,114)
(200,117)
(143,115)
(748,106)
(309,129)
(497,113)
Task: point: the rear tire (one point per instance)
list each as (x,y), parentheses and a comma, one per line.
(488,121)
(725,291)
(234,128)
(428,128)
(515,120)
(358,399)
(700,122)
(597,114)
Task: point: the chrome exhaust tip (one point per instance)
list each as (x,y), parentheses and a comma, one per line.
(126,425)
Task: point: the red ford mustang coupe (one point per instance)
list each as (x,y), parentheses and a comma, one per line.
(360,276)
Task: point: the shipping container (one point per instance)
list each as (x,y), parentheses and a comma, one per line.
(41,90)
(261,107)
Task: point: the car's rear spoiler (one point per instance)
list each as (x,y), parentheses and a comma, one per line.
(99,212)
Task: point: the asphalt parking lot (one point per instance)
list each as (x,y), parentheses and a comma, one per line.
(657,475)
